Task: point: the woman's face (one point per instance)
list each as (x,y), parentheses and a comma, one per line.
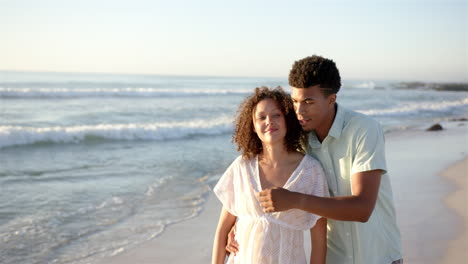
(269,122)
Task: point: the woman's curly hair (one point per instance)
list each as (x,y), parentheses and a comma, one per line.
(315,70)
(248,143)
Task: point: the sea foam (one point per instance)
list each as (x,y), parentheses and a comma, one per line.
(21,135)
(365,85)
(415,108)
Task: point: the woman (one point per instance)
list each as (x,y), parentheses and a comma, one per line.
(269,136)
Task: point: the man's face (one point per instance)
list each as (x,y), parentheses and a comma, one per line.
(314,110)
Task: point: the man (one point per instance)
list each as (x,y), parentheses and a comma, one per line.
(350,146)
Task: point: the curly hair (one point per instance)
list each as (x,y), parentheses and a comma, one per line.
(248,143)
(315,70)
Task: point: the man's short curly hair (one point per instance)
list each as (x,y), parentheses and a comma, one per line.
(315,70)
(248,143)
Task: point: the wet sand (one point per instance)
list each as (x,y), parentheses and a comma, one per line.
(458,201)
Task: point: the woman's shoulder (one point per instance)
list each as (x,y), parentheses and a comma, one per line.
(243,161)
(310,178)
(313,166)
(311,161)
(296,157)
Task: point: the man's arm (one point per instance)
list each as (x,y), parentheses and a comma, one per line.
(232,245)
(356,207)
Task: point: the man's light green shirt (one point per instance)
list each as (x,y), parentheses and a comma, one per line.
(355,143)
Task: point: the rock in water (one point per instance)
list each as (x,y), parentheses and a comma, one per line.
(462,119)
(435,127)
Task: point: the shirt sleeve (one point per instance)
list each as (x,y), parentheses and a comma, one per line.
(224,189)
(370,149)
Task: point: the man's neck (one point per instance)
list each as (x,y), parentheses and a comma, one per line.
(322,133)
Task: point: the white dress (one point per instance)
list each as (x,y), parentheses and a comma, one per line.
(269,237)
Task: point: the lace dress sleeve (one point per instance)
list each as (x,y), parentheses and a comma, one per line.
(224,189)
(318,187)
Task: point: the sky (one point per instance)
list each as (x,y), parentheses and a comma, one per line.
(377,39)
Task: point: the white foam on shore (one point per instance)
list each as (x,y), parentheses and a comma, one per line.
(365,85)
(415,108)
(21,135)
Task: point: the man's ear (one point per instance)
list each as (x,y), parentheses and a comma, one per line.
(332,99)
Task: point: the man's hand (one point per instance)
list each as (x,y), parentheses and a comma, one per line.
(276,200)
(232,245)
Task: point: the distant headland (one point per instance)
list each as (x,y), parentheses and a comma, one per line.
(461,87)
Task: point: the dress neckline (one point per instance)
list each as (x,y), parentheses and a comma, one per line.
(257,173)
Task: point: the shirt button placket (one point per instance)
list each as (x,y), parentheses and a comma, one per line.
(330,167)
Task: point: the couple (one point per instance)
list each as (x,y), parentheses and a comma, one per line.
(342,184)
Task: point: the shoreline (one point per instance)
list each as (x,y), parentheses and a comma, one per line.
(189,241)
(415,160)
(457,201)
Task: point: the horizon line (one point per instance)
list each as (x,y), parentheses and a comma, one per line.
(217,76)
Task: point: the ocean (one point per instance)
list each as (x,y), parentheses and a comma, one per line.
(94,164)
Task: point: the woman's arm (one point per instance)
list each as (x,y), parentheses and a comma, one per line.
(226,221)
(318,237)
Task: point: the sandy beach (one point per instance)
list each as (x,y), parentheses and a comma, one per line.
(429,178)
(417,160)
(458,248)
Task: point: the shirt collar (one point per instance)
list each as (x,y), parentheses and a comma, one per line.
(335,129)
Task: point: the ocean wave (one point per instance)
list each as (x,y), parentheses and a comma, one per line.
(415,108)
(7,92)
(20,135)
(365,85)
